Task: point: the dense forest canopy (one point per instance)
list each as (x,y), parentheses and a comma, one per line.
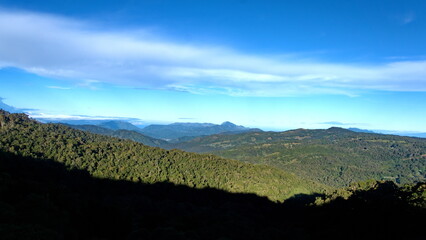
(61,183)
(113,158)
(335,156)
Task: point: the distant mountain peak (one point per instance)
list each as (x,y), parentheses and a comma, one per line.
(189,124)
(228,124)
(337,129)
(179,130)
(119,125)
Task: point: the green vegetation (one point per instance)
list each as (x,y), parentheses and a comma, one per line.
(380,191)
(61,183)
(43,199)
(113,158)
(336,157)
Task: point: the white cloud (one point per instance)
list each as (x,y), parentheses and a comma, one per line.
(81,51)
(64,117)
(58,87)
(408,18)
(58,117)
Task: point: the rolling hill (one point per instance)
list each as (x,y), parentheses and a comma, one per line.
(44,199)
(335,156)
(61,183)
(119,125)
(113,158)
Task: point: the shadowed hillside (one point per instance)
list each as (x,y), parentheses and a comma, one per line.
(60,183)
(113,158)
(43,199)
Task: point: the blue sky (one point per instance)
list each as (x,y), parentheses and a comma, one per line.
(270,64)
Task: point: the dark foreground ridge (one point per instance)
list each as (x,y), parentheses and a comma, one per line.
(42,199)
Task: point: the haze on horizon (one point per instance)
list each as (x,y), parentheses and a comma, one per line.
(266,64)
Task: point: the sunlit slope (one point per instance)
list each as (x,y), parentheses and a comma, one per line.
(113,158)
(334,156)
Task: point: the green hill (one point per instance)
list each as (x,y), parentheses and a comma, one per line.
(119,125)
(113,158)
(61,183)
(43,199)
(335,156)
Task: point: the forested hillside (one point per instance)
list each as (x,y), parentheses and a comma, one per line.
(335,156)
(61,183)
(43,199)
(113,158)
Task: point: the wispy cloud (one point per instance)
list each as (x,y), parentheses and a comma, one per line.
(58,87)
(404,18)
(51,116)
(408,18)
(335,123)
(77,50)
(405,58)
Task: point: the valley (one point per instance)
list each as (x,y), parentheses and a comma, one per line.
(335,157)
(212,120)
(61,183)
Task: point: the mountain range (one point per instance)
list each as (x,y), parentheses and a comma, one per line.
(175,132)
(114,129)
(334,156)
(178,130)
(62,183)
(108,157)
(119,125)
(361,130)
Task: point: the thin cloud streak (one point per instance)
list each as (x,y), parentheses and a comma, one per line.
(57,117)
(338,123)
(80,51)
(408,18)
(58,87)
